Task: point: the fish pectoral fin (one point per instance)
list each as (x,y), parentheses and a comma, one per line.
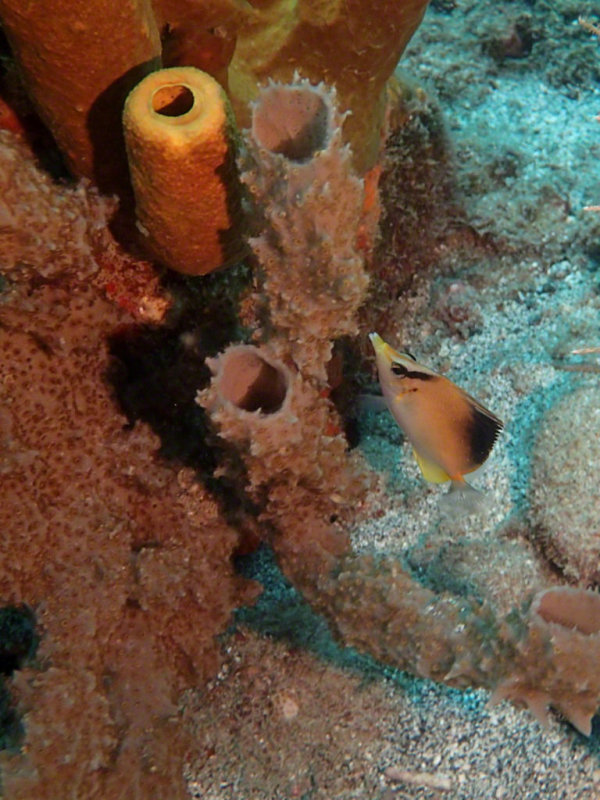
(431,472)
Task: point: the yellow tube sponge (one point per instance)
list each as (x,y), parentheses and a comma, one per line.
(180,137)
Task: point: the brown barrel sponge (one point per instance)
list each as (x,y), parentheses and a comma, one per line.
(181,145)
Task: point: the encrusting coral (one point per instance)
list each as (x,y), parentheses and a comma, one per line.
(180,134)
(125,561)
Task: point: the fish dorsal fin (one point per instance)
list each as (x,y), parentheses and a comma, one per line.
(431,472)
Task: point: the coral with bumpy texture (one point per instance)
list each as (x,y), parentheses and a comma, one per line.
(124,560)
(567,448)
(181,144)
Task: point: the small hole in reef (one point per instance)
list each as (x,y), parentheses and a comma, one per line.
(173,101)
(252,384)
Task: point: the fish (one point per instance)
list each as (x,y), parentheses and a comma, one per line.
(451,433)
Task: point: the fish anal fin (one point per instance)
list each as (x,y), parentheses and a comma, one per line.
(431,472)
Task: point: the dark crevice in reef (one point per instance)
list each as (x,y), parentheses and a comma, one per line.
(155,373)
(157,370)
(18,643)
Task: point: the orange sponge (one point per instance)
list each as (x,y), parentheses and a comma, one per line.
(79,59)
(181,141)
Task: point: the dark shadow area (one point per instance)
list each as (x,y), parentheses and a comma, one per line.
(18,115)
(156,373)
(105,129)
(157,370)
(18,643)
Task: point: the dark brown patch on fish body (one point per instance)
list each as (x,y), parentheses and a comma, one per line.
(483,429)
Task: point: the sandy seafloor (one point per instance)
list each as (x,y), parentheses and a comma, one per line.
(291,715)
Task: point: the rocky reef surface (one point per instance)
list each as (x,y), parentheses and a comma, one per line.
(136,520)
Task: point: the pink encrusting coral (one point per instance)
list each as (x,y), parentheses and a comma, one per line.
(124,561)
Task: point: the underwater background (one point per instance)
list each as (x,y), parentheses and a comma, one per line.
(197,608)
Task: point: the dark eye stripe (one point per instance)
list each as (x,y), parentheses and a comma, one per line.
(402,372)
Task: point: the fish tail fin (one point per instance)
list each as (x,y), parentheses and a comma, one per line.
(462,499)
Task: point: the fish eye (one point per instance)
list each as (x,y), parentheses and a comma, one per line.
(399,369)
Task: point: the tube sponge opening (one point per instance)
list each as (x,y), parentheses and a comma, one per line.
(181,147)
(251,383)
(575,609)
(173,101)
(294,122)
